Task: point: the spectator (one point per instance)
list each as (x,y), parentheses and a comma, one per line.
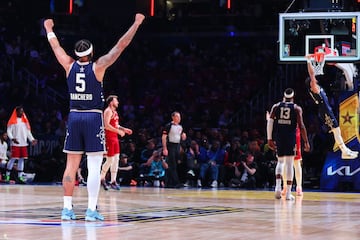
(3,153)
(232,160)
(192,153)
(216,161)
(125,171)
(158,165)
(246,172)
(19,133)
(145,155)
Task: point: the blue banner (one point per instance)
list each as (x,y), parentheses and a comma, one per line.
(51,143)
(337,171)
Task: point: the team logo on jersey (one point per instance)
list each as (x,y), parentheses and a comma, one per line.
(101,135)
(329,121)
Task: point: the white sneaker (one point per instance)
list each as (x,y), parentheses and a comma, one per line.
(199,183)
(156,183)
(290,197)
(214,184)
(191,172)
(277,194)
(299,191)
(349,154)
(187,184)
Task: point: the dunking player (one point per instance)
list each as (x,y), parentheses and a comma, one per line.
(326,114)
(112,130)
(85,133)
(286,116)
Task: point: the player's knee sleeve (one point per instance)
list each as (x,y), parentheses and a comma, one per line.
(93,180)
(105,167)
(297,166)
(289,166)
(10,164)
(298,172)
(115,164)
(279,166)
(20,165)
(337,136)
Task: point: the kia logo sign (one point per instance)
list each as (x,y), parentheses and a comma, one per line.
(342,171)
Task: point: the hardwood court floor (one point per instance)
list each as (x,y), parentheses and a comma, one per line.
(33,212)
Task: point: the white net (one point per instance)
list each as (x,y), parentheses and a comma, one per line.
(318,61)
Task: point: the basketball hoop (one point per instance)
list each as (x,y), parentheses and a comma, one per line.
(330,52)
(317,60)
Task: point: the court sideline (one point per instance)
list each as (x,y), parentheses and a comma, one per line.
(32,212)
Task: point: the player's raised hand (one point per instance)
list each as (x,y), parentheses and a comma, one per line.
(139,18)
(49,24)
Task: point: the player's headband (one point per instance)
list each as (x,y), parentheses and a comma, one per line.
(84,53)
(289,94)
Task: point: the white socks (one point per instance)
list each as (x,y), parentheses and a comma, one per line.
(114,168)
(338,138)
(68,202)
(93,181)
(298,172)
(279,171)
(105,167)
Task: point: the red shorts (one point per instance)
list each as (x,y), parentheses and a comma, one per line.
(112,147)
(19,152)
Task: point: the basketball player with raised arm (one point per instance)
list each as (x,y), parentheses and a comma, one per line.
(286,116)
(85,130)
(326,114)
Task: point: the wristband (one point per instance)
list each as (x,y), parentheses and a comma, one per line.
(50,35)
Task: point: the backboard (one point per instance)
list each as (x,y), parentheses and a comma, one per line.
(303,33)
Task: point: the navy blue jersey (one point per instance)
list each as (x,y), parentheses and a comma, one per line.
(325,111)
(285,123)
(85,91)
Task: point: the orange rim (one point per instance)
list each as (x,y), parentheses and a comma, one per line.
(318,56)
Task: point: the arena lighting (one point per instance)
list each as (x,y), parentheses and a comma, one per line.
(152,7)
(228,5)
(170,11)
(70,7)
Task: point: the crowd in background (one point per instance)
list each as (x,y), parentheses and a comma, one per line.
(207,79)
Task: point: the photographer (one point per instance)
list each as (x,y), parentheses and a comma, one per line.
(125,170)
(245,173)
(157,164)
